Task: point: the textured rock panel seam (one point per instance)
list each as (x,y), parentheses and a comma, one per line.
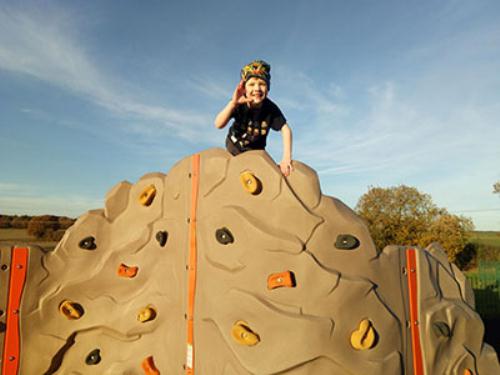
(18,269)
(411,273)
(195,176)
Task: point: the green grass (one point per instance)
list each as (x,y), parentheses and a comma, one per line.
(486,238)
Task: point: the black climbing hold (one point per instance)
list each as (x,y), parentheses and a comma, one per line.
(3,327)
(162,237)
(441,329)
(224,236)
(88,243)
(346,242)
(94,357)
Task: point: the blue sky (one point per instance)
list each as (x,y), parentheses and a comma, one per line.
(378,93)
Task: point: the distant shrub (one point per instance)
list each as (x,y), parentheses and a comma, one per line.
(41,226)
(5,221)
(467,258)
(20,222)
(65,222)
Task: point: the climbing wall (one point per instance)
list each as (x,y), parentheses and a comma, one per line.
(223,266)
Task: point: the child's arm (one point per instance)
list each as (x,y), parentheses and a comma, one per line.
(286,161)
(238,98)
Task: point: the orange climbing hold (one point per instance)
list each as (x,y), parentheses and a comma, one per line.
(468,372)
(148,365)
(148,195)
(127,271)
(279,280)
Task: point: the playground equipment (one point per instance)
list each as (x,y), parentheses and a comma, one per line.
(223,266)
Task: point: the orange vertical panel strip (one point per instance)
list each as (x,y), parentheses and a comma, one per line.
(411,274)
(11,350)
(195,176)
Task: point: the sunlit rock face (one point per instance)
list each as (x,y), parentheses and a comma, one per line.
(224,266)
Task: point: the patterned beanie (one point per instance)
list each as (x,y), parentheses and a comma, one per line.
(259,69)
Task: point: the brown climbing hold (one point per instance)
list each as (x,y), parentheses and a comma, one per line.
(88,243)
(148,195)
(127,271)
(441,329)
(364,337)
(282,279)
(346,242)
(93,358)
(71,310)
(162,237)
(148,365)
(224,236)
(250,183)
(146,314)
(244,335)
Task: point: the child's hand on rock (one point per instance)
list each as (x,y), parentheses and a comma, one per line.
(286,167)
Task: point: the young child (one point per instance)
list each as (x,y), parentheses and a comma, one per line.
(255,115)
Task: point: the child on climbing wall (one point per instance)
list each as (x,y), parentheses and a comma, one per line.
(255,115)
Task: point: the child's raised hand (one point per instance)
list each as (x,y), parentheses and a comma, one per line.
(239,94)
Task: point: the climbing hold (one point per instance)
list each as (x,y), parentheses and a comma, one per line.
(468,372)
(250,183)
(244,335)
(148,365)
(162,237)
(283,279)
(364,337)
(148,195)
(88,243)
(224,236)
(146,314)
(346,242)
(71,310)
(94,357)
(127,271)
(441,329)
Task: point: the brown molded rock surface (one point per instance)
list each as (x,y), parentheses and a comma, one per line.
(280,279)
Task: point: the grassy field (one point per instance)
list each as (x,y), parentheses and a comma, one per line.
(21,237)
(486,238)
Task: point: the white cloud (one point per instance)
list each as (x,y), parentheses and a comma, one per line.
(45,46)
(52,205)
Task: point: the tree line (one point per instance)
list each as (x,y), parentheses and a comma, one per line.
(47,227)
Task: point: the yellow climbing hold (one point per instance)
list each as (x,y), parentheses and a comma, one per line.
(250,183)
(71,310)
(364,337)
(244,335)
(146,314)
(148,195)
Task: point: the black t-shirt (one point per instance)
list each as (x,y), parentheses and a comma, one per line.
(251,126)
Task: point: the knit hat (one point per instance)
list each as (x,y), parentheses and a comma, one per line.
(259,69)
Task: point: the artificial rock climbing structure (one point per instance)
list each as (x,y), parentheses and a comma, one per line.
(224,266)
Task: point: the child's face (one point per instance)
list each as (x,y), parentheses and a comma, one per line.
(256,89)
